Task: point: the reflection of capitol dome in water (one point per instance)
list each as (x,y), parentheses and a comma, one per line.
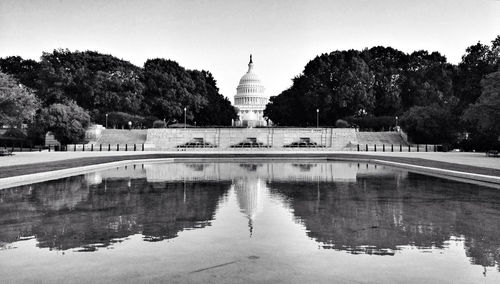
(250,100)
(93,178)
(249,193)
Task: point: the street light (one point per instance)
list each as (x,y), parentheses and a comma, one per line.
(317,118)
(396,123)
(106,120)
(184,118)
(130,125)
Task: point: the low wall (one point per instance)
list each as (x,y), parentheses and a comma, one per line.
(225,138)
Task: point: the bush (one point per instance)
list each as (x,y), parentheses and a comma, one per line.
(66,121)
(121,119)
(340,123)
(372,123)
(149,121)
(429,124)
(159,124)
(15,133)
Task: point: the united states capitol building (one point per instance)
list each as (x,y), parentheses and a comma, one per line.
(250,100)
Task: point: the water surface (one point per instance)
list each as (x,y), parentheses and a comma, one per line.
(308,221)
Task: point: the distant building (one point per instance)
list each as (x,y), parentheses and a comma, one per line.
(250,100)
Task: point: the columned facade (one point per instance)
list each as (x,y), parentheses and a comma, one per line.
(250,100)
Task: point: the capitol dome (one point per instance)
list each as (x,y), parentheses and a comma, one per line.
(250,100)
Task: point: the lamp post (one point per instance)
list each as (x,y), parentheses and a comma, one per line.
(130,125)
(317,118)
(106,121)
(396,123)
(184,118)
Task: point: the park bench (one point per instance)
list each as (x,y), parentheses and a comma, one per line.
(492,153)
(5,152)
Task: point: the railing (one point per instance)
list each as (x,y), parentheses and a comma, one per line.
(102,147)
(399,148)
(141,147)
(29,148)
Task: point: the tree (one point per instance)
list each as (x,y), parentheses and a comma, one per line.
(483,117)
(169,88)
(101,84)
(428,79)
(429,124)
(338,84)
(478,61)
(25,71)
(388,66)
(97,82)
(18,104)
(218,109)
(66,121)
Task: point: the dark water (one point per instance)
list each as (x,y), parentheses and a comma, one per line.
(240,222)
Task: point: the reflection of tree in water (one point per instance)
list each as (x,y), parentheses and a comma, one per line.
(196,167)
(68,214)
(251,167)
(377,214)
(304,167)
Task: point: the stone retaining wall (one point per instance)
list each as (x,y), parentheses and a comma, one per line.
(225,138)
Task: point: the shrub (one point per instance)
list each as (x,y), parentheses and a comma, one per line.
(67,121)
(159,124)
(372,123)
(121,119)
(15,133)
(429,124)
(340,123)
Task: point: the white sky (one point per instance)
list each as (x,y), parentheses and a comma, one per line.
(218,35)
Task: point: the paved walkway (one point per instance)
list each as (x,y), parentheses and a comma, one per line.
(26,158)
(471,159)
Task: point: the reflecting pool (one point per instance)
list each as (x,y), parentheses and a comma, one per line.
(239,222)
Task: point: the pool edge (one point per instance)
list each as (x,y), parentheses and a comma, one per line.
(462,176)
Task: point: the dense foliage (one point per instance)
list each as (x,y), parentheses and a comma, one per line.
(370,88)
(437,102)
(18,104)
(169,89)
(484,114)
(67,122)
(102,84)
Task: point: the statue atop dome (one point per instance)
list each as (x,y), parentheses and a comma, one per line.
(250,100)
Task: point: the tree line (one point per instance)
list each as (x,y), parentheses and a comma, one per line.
(435,101)
(66,91)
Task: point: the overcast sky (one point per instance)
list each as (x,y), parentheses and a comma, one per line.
(218,35)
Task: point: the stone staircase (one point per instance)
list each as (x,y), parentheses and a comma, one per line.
(344,139)
(121,136)
(380,138)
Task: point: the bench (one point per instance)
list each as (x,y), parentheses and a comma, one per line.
(492,153)
(5,152)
